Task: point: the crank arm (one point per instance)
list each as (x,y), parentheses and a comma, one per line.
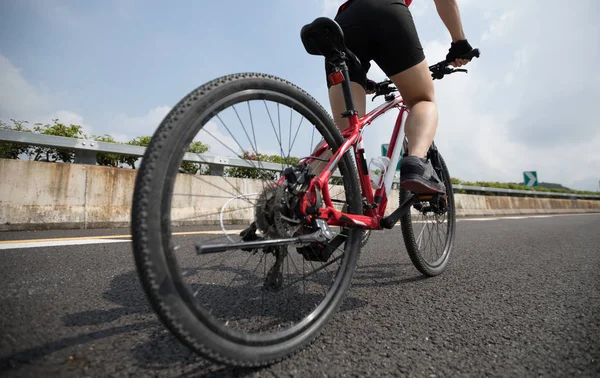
(316,237)
(391,220)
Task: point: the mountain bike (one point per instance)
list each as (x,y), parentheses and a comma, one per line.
(247,255)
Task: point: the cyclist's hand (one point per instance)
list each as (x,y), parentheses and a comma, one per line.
(371,87)
(458,49)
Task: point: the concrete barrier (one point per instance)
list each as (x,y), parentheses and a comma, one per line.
(468,204)
(40,195)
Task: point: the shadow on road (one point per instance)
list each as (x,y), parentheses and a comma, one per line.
(380,275)
(125,290)
(158,350)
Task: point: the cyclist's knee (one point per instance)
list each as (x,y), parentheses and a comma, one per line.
(415,84)
(412,102)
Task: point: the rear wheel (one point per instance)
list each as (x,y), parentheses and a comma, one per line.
(247,306)
(429,228)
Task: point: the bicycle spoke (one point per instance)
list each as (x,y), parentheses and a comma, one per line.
(216,213)
(254,147)
(231,285)
(295,136)
(252,124)
(420,237)
(237,155)
(318,269)
(290,135)
(280,135)
(312,146)
(273,126)
(238,143)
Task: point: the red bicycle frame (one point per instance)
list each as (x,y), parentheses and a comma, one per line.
(376,202)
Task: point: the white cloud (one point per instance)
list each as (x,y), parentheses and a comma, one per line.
(69,118)
(463,3)
(129,127)
(499,27)
(376,73)
(220,143)
(435,51)
(18,98)
(21,100)
(329,7)
(417,8)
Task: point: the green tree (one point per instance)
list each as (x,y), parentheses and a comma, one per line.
(195,168)
(56,154)
(13,150)
(260,173)
(109,160)
(143,141)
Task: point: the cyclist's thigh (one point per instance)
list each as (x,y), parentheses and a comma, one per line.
(415,84)
(398,51)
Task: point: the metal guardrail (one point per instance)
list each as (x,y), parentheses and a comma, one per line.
(86,151)
(526,192)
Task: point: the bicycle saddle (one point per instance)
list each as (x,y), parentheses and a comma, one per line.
(325,37)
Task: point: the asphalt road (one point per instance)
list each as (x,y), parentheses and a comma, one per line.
(520,298)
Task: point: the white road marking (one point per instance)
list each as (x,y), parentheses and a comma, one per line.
(82,240)
(59,243)
(490,218)
(522,217)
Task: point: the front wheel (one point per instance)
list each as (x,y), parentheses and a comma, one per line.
(246,306)
(429,228)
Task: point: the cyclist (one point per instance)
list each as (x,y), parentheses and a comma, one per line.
(384,31)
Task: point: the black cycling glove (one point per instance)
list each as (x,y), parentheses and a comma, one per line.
(457,49)
(371,86)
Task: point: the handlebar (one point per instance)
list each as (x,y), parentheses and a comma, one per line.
(438,71)
(442,68)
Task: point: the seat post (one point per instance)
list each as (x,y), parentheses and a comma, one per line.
(347,90)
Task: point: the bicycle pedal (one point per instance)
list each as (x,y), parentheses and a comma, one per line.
(433,197)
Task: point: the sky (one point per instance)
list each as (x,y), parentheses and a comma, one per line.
(118,66)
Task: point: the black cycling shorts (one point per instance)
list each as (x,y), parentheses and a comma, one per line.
(382,31)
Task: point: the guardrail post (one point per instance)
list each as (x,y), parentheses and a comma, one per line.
(85,157)
(216,170)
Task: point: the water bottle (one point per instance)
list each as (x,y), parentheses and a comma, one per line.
(377,168)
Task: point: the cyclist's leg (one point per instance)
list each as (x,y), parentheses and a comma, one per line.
(399,53)
(417,90)
(338,106)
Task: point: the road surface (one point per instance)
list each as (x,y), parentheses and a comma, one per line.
(520,298)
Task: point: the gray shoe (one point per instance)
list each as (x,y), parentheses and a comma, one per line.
(418,176)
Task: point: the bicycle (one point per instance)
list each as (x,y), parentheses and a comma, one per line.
(196,296)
